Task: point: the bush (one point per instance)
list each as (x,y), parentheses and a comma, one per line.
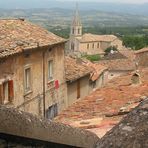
(92,58)
(111,48)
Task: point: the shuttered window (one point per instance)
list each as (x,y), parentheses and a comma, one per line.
(11,90)
(6,92)
(1,93)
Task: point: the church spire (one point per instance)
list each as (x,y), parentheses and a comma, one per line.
(76,21)
(76,26)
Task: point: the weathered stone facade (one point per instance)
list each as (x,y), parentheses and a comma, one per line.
(29,67)
(142,57)
(13,68)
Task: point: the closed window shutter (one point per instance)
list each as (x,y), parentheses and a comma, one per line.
(11,90)
(1,93)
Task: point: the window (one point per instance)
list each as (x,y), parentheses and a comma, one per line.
(6,92)
(50,70)
(78,31)
(87,46)
(93,45)
(52,111)
(27,79)
(98,45)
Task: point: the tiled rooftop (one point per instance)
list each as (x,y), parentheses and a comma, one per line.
(107,105)
(130,54)
(142,50)
(131,132)
(17,35)
(88,37)
(76,68)
(98,69)
(119,64)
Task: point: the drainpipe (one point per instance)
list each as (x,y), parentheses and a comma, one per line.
(44,103)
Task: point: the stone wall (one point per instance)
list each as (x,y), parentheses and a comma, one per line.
(72,89)
(32,101)
(142,59)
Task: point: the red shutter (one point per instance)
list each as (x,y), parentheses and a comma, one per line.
(56,84)
(1,93)
(11,90)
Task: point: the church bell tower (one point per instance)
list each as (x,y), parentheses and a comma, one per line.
(75,31)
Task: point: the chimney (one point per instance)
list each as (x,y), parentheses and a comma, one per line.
(22,19)
(136,79)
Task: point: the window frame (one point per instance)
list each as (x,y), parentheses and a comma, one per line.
(6,88)
(50,75)
(29,89)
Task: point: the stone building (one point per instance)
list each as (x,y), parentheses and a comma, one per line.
(142,57)
(82,78)
(89,43)
(118,64)
(23,130)
(32,74)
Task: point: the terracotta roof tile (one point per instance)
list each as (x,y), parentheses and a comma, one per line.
(119,64)
(131,132)
(75,69)
(130,54)
(17,35)
(142,50)
(88,37)
(119,94)
(98,69)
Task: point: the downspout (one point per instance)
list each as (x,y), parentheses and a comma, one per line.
(44,103)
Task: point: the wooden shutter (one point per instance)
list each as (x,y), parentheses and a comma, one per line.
(11,90)
(1,93)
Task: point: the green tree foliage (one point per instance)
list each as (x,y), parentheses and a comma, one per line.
(135,42)
(111,48)
(92,58)
(133,37)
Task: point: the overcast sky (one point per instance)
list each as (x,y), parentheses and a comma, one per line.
(105,1)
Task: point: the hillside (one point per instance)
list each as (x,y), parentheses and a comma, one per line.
(54,17)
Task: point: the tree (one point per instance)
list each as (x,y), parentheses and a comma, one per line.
(109,49)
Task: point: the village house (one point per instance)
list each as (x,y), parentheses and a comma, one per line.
(82,78)
(104,108)
(118,64)
(142,57)
(89,43)
(32,74)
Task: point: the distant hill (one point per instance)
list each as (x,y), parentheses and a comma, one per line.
(58,17)
(137,9)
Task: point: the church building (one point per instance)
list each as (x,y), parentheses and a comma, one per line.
(89,43)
